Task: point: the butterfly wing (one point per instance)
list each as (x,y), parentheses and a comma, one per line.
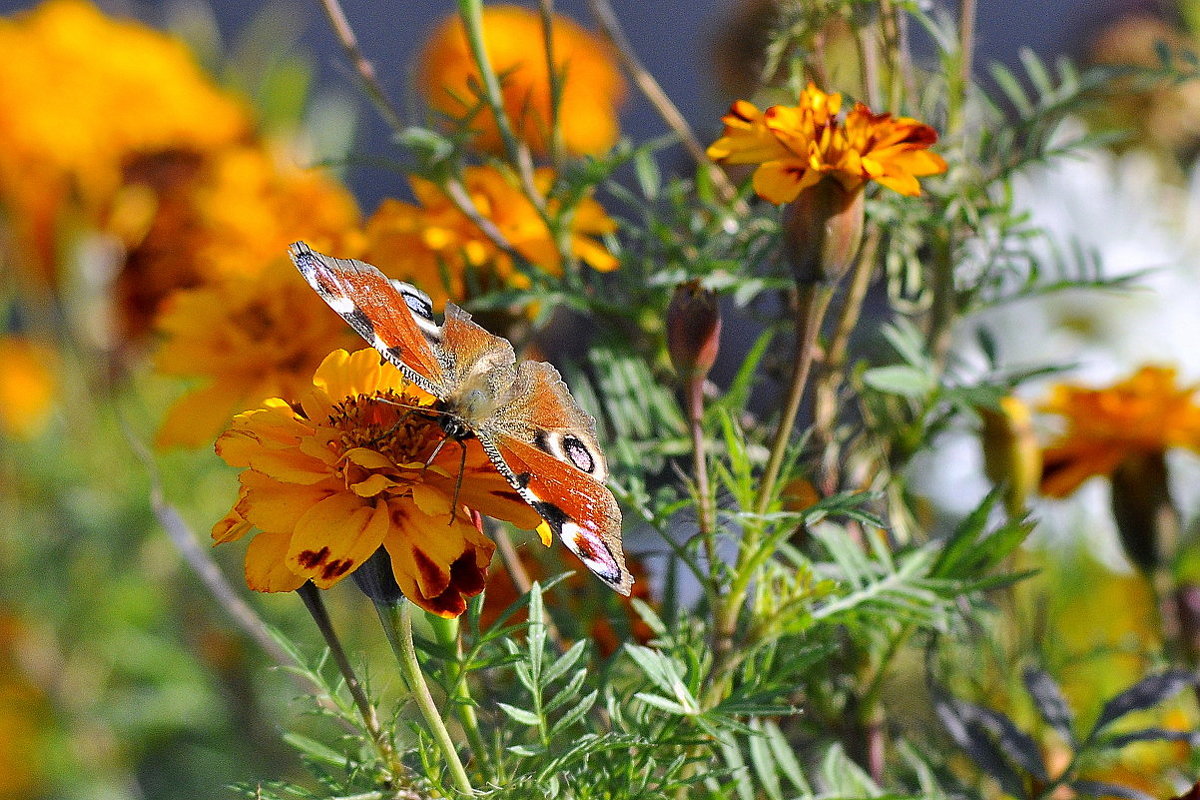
(396,318)
(545,444)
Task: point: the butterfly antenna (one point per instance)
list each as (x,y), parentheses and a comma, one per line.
(462,467)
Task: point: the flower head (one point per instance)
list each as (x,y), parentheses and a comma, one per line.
(440,249)
(80,95)
(796,146)
(592,88)
(188,220)
(248,337)
(355,465)
(1143,415)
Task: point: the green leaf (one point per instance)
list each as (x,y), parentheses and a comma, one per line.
(519,714)
(900,380)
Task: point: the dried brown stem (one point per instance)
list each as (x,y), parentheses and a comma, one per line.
(606,18)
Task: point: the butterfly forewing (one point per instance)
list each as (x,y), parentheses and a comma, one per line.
(397,319)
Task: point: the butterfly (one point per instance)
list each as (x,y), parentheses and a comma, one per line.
(522,414)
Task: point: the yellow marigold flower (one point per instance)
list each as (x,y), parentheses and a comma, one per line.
(1143,415)
(435,246)
(187,220)
(248,338)
(355,465)
(592,88)
(795,146)
(81,94)
(28,386)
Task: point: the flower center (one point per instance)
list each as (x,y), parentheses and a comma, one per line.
(393,424)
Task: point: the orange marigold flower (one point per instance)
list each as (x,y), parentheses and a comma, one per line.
(248,337)
(592,88)
(437,247)
(187,220)
(28,386)
(355,465)
(795,146)
(80,95)
(1143,415)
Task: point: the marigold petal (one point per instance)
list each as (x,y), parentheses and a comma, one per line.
(374,485)
(436,565)
(1064,469)
(904,183)
(334,536)
(266,564)
(782,181)
(231,527)
(431,501)
(277,506)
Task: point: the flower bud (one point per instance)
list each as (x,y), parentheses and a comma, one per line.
(1142,508)
(1011,454)
(693,330)
(377,581)
(822,229)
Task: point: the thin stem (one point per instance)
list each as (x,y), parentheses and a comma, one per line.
(546,8)
(471,12)
(458,194)
(966,41)
(891,48)
(397,625)
(705,510)
(447,634)
(316,607)
(606,18)
(810,313)
(364,68)
(825,405)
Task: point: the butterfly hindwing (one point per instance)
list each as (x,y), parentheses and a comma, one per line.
(550,454)
(396,318)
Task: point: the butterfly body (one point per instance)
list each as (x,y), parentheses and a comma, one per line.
(521,413)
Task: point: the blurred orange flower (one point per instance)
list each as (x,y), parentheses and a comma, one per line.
(248,337)
(355,466)
(435,246)
(28,386)
(24,720)
(592,88)
(80,95)
(1145,414)
(188,220)
(795,146)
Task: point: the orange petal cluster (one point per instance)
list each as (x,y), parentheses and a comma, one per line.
(437,247)
(1144,414)
(796,146)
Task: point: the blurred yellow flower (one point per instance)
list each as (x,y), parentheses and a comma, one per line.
(795,146)
(355,466)
(248,337)
(187,221)
(435,246)
(28,386)
(592,88)
(80,95)
(1145,414)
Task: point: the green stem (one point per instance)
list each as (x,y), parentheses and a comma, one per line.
(810,312)
(446,631)
(311,596)
(546,9)
(397,625)
(705,510)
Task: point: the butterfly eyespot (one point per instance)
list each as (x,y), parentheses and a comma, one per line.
(420,304)
(578,454)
